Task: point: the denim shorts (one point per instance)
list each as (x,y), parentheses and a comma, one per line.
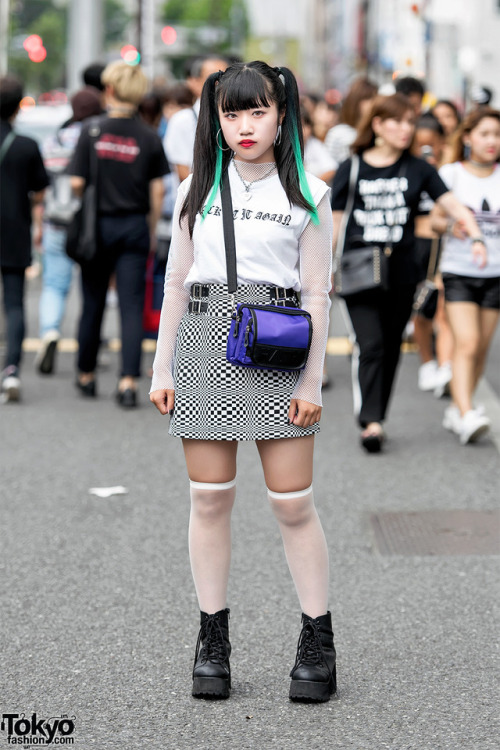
(482,292)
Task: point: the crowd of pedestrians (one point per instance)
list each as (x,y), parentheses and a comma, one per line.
(233,158)
(441,225)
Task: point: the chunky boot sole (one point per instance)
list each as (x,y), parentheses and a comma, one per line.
(313,692)
(211,687)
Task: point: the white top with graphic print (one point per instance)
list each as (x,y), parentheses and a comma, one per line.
(276,244)
(267,231)
(482,196)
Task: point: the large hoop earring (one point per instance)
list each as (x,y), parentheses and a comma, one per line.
(277,140)
(217,141)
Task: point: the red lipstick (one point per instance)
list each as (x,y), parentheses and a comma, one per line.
(247,144)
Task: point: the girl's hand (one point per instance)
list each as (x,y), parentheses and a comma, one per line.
(163,400)
(303,414)
(458,230)
(479,254)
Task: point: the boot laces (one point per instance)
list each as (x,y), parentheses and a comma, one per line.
(310,648)
(211,644)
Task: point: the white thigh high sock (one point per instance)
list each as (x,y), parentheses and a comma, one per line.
(305,547)
(210,542)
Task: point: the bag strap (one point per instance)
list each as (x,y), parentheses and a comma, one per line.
(353,179)
(432,268)
(94,133)
(7,143)
(229,240)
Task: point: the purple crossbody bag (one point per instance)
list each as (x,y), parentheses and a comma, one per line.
(264,337)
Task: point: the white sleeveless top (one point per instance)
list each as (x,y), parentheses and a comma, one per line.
(267,232)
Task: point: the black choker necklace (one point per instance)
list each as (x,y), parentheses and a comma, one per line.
(482,165)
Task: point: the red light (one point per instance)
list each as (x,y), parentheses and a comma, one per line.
(32,42)
(37,55)
(168,35)
(127,48)
(130,54)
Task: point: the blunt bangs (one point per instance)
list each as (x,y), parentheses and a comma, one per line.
(391,107)
(243,89)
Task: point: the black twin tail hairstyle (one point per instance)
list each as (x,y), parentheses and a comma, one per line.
(247,86)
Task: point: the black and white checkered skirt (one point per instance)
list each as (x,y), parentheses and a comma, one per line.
(215,400)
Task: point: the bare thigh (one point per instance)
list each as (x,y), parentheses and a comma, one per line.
(488,322)
(287,463)
(212,461)
(464,322)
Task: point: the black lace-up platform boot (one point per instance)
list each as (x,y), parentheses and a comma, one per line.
(314,676)
(211,671)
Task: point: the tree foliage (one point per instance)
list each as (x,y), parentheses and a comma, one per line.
(50,24)
(42,17)
(229,14)
(201,11)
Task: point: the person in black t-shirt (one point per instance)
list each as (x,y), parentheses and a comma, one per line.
(23,180)
(386,201)
(131,165)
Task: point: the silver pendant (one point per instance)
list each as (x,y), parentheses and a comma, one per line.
(247,195)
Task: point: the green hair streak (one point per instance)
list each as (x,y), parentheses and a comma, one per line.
(217,181)
(303,183)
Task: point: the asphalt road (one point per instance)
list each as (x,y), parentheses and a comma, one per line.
(98,614)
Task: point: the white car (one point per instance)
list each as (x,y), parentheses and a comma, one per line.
(42,120)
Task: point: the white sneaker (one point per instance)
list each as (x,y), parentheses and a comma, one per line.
(11,386)
(452,420)
(472,426)
(44,360)
(443,380)
(427,374)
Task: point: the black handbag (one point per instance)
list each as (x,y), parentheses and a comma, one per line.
(426,296)
(81,236)
(364,267)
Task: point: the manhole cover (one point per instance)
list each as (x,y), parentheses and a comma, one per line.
(438,532)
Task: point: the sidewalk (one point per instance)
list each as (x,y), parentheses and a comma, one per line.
(99,617)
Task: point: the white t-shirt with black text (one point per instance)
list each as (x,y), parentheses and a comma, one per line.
(386,202)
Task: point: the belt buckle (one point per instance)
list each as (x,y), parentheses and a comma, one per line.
(197,291)
(280,297)
(197,298)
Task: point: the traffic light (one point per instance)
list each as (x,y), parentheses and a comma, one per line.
(168,35)
(33,45)
(130,54)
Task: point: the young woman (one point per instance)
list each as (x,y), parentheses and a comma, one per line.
(434,373)
(131,164)
(357,102)
(472,290)
(386,200)
(448,116)
(249,125)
